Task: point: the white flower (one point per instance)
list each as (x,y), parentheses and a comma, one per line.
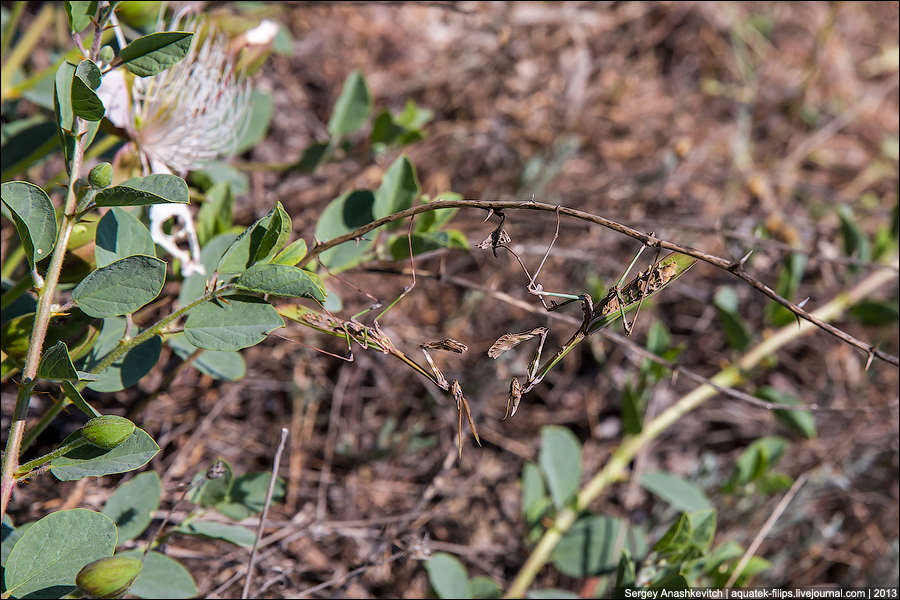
(180,120)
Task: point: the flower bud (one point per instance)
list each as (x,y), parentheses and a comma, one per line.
(106,54)
(108,577)
(101,175)
(107,431)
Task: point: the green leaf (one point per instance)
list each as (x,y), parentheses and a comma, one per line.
(91,461)
(281,280)
(227,366)
(680,493)
(343,215)
(161,577)
(670,581)
(399,187)
(233,534)
(248,495)
(313,155)
(385,130)
(533,494)
(121,234)
(625,574)
(874,313)
(233,324)
(484,587)
(45,560)
(261,110)
(703,529)
(132,504)
(754,566)
(801,421)
(258,243)
(154,53)
(27,146)
(277,234)
(62,97)
(352,108)
(448,576)
(758,458)
(214,216)
(85,101)
(677,538)
(426,242)
(221,172)
(129,369)
(292,254)
(788,283)
(76,398)
(159,188)
(212,491)
(856,243)
(33,216)
(434,219)
(588,547)
(736,331)
(79,14)
(560,460)
(56,365)
(120,287)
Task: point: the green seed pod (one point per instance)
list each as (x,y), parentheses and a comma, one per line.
(108,577)
(107,431)
(107,54)
(101,175)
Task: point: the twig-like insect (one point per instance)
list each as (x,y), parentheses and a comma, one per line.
(618,301)
(351,330)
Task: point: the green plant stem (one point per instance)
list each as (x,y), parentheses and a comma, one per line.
(13,293)
(31,465)
(39,330)
(731,375)
(125,345)
(734,267)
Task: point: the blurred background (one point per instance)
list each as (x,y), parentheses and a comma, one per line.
(722,126)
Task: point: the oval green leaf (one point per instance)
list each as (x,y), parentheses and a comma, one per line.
(56,365)
(48,556)
(79,14)
(120,287)
(159,188)
(258,243)
(281,280)
(126,371)
(232,323)
(560,460)
(154,53)
(33,216)
(344,214)
(91,461)
(234,534)
(448,576)
(121,234)
(132,504)
(85,101)
(227,366)
(399,188)
(248,495)
(292,254)
(680,493)
(587,547)
(352,108)
(161,577)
